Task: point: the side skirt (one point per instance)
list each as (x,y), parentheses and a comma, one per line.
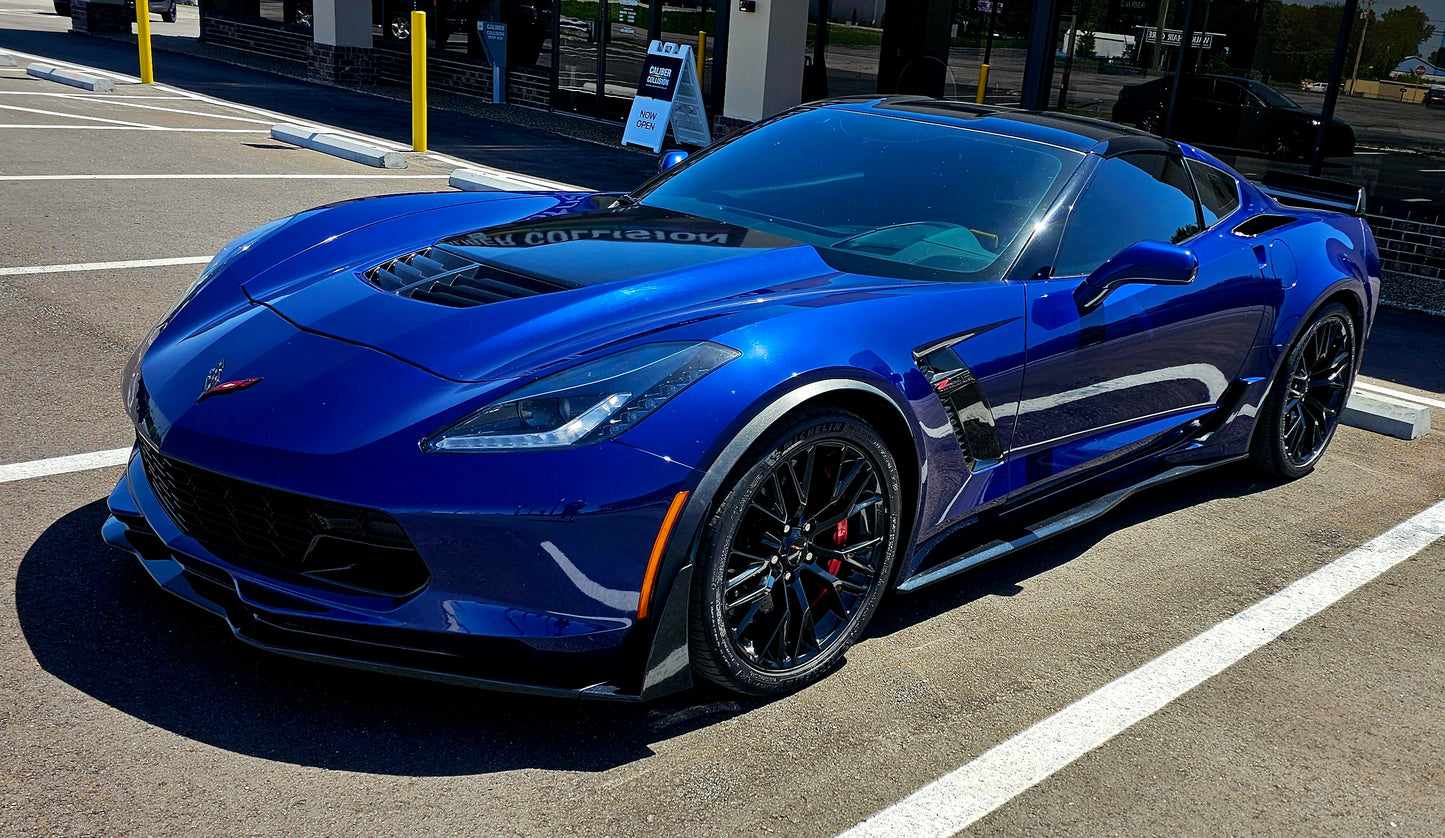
(1049,527)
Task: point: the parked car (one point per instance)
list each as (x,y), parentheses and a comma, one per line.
(594,445)
(165,8)
(1314,86)
(1435,96)
(62,7)
(1234,113)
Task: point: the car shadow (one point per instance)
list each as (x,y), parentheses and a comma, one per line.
(95,620)
(1402,350)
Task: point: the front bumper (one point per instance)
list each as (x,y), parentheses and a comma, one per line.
(436,635)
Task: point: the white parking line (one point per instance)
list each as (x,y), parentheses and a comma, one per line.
(956,800)
(118,77)
(63,465)
(88,97)
(140,128)
(125,104)
(1399,394)
(223,177)
(104,266)
(77,116)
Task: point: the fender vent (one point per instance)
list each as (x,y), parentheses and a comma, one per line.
(444,276)
(965,404)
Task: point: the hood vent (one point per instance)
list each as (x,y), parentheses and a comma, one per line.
(447,277)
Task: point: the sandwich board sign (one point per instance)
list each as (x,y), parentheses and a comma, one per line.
(668,93)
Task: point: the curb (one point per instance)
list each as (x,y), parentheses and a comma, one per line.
(1386,415)
(473,180)
(338,146)
(84,81)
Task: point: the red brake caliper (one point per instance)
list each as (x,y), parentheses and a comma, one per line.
(840,537)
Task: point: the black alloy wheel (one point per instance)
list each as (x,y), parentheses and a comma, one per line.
(797,556)
(169,15)
(1151,122)
(1304,406)
(399,28)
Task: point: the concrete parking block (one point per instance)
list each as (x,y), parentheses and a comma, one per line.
(1386,415)
(339,146)
(7,60)
(470,180)
(84,81)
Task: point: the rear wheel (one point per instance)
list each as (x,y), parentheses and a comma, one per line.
(169,15)
(797,556)
(1300,416)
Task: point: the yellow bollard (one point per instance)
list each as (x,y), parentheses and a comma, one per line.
(982,82)
(701,48)
(143,40)
(418,81)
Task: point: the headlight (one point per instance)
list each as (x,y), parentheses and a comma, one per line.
(588,403)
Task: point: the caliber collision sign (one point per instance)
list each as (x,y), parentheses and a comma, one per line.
(668,93)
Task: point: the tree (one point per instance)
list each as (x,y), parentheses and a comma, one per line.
(1438,57)
(1396,36)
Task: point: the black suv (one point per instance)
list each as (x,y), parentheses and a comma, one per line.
(1235,113)
(1435,97)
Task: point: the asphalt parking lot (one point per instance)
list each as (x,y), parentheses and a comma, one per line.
(123,712)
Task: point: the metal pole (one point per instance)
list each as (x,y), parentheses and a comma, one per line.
(418,81)
(1359,51)
(1069,57)
(1039,65)
(1185,38)
(987,54)
(143,40)
(1159,33)
(988,39)
(1332,93)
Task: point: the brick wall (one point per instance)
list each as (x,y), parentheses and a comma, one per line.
(1412,254)
(528,87)
(107,18)
(256,35)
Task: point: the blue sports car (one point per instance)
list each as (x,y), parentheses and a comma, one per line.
(602,445)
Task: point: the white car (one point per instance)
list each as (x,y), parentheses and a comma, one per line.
(1314,86)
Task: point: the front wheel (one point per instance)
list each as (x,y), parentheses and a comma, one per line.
(169,15)
(1303,410)
(797,556)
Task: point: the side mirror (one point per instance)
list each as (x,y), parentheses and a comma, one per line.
(1152,263)
(670,158)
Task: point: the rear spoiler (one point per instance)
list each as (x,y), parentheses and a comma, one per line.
(1314,192)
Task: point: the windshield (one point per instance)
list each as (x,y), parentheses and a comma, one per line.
(902,190)
(1271,97)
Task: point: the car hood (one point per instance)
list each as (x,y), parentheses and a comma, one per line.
(606,275)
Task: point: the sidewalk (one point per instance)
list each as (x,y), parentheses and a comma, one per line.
(517,148)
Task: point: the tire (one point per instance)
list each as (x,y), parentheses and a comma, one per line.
(1282,148)
(803,584)
(169,15)
(1303,409)
(399,28)
(1151,122)
(62,8)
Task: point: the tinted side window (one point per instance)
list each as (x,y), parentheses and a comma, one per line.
(1229,94)
(1218,192)
(1132,198)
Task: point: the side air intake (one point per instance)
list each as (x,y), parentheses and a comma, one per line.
(965,404)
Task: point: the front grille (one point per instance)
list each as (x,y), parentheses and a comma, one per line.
(445,276)
(338,544)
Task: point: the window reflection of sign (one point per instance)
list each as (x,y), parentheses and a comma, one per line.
(1174,37)
(716,235)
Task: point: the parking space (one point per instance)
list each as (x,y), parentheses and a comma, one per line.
(124,712)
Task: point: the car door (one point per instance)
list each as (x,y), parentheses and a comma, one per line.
(1230,103)
(1194,112)
(1102,382)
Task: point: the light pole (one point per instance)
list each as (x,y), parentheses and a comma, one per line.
(1360,50)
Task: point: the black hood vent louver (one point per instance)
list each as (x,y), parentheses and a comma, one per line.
(448,277)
